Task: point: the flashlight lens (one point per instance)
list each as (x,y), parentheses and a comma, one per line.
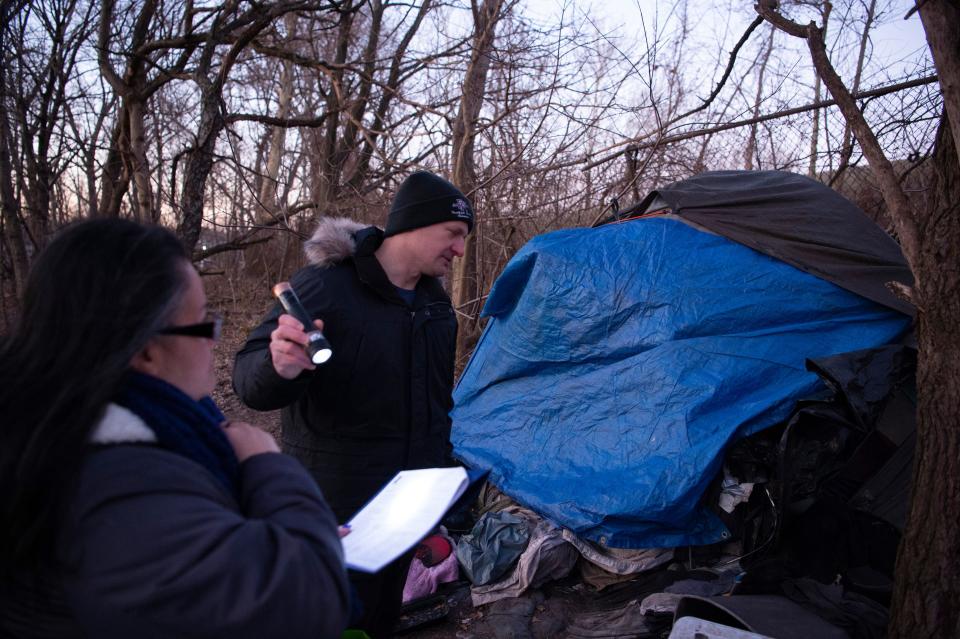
(322,355)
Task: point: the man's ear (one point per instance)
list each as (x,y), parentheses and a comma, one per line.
(146,360)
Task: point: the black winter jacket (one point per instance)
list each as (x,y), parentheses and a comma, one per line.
(381,403)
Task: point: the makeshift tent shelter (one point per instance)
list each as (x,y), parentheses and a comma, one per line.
(620,361)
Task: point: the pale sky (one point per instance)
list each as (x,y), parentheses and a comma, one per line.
(897,43)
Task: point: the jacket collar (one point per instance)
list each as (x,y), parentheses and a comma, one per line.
(121,426)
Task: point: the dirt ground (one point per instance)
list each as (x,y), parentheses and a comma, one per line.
(237,323)
(538,614)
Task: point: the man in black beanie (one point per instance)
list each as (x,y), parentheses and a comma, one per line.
(381,403)
(424,199)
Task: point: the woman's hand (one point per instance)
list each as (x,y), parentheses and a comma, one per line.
(248,440)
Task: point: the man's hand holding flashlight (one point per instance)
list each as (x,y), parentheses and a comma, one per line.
(287,342)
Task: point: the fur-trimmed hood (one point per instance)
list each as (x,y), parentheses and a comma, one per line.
(332,241)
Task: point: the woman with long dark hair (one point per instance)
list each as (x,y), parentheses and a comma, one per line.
(129,505)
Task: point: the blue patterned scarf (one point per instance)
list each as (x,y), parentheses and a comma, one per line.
(182,425)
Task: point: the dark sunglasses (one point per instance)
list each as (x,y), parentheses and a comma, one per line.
(209,329)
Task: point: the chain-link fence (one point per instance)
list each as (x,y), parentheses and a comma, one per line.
(811,139)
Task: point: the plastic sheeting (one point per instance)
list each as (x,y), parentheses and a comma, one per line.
(796,220)
(620,361)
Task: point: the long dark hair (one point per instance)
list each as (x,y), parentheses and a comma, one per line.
(94,298)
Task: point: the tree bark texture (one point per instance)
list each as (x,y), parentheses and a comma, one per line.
(246,27)
(941,22)
(127,157)
(326,174)
(13,231)
(465,285)
(37,192)
(90,159)
(926,601)
(758,101)
(268,189)
(145,210)
(825,10)
(198,167)
(115,177)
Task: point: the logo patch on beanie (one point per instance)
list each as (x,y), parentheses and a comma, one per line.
(461,209)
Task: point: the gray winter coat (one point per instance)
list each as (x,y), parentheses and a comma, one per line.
(155,547)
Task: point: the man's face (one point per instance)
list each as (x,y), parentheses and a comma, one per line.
(436,246)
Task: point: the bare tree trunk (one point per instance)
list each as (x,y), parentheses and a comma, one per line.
(211,78)
(751,149)
(386,99)
(847,149)
(817,114)
(271,171)
(36,193)
(278,136)
(631,176)
(269,209)
(465,284)
(127,156)
(90,144)
(940,19)
(326,177)
(139,166)
(13,231)
(349,142)
(115,178)
(926,600)
(198,166)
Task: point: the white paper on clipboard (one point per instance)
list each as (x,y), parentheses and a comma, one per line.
(400,515)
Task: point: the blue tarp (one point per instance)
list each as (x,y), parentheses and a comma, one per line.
(620,361)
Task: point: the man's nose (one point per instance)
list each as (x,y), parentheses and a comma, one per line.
(457,247)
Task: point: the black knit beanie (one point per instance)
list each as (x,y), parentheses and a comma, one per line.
(424,199)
